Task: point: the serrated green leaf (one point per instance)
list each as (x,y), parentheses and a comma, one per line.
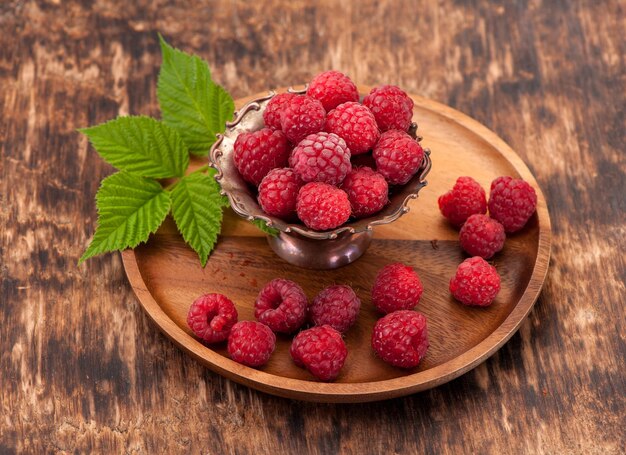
(190,101)
(130,208)
(262,225)
(140,145)
(197,210)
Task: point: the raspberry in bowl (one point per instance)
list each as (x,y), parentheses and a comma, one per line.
(322,205)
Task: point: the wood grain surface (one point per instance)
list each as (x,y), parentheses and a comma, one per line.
(82,370)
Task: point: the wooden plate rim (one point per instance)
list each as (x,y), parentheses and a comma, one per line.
(389,388)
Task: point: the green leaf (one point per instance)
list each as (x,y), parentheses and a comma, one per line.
(190,101)
(130,208)
(197,210)
(262,225)
(140,145)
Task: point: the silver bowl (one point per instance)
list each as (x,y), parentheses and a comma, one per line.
(296,243)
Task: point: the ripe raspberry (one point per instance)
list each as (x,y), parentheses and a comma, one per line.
(281,305)
(482,236)
(355,124)
(301,116)
(278,192)
(336,306)
(322,207)
(321,157)
(332,88)
(367,191)
(398,156)
(271,114)
(512,202)
(259,152)
(211,317)
(465,198)
(401,338)
(251,343)
(321,350)
(475,282)
(391,106)
(396,287)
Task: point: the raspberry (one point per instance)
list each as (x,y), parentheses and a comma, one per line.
(332,88)
(336,306)
(465,198)
(391,106)
(396,287)
(321,350)
(321,157)
(271,114)
(482,236)
(278,192)
(301,116)
(512,202)
(398,156)
(367,191)
(355,124)
(401,338)
(259,152)
(321,206)
(475,282)
(251,343)
(281,305)
(211,317)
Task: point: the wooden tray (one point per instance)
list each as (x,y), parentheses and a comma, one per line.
(166,276)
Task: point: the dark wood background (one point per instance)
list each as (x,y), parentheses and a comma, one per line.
(83,370)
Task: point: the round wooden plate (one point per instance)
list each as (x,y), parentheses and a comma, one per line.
(166,277)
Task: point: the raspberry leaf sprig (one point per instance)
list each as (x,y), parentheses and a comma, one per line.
(131,203)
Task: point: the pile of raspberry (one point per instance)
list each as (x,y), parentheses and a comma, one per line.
(399,337)
(305,162)
(512,202)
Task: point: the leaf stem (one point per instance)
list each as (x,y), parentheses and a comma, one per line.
(172,185)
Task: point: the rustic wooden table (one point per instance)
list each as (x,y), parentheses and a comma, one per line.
(83,370)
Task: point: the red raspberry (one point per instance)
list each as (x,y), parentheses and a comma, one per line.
(271,114)
(321,350)
(301,116)
(398,156)
(475,282)
(401,338)
(355,124)
(512,202)
(281,305)
(251,343)
(332,88)
(482,236)
(259,152)
(465,198)
(396,287)
(321,157)
(322,207)
(278,192)
(391,106)
(211,317)
(336,306)
(367,191)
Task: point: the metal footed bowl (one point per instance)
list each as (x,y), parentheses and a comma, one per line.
(296,243)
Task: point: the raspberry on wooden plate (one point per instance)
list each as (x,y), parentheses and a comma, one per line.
(337,306)
(401,338)
(466,198)
(396,287)
(251,343)
(211,316)
(321,350)
(482,236)
(512,202)
(281,305)
(475,282)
